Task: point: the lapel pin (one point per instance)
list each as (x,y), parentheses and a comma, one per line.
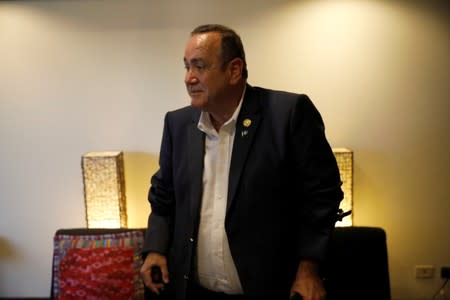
(247,122)
(244,132)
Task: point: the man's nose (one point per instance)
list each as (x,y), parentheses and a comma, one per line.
(190,77)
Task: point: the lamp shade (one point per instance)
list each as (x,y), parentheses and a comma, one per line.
(104,189)
(344,158)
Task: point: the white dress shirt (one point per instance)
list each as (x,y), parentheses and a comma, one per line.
(215,267)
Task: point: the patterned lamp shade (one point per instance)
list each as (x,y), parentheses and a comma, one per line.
(344,158)
(104,189)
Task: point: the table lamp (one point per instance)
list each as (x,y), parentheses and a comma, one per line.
(104,189)
(344,158)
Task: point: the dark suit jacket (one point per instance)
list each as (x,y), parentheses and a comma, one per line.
(284,192)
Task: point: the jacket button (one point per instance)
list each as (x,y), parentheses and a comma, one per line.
(191,240)
(186,277)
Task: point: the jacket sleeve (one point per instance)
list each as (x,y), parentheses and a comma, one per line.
(161,198)
(317,172)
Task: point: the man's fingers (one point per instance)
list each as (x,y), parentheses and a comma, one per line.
(145,275)
(165,274)
(148,282)
(154,272)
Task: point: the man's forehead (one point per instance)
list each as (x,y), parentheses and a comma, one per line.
(201,38)
(201,45)
(206,37)
(204,41)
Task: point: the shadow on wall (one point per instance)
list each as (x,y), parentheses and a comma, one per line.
(139,167)
(8,254)
(7,251)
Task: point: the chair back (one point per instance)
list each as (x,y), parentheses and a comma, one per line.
(357,266)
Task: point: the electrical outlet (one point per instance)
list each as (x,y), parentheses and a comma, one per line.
(424,271)
(445,272)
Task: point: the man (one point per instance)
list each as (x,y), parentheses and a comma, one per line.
(248,187)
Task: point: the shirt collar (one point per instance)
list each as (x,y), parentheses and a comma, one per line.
(205,124)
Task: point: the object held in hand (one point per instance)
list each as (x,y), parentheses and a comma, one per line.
(296,297)
(156,274)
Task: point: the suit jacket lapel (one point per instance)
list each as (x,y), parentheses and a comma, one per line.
(246,126)
(196,151)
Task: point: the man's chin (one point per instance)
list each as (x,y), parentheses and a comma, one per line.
(197,102)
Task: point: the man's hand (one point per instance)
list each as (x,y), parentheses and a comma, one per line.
(154,260)
(307,282)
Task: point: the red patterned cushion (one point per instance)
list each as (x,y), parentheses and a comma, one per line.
(103,273)
(98,266)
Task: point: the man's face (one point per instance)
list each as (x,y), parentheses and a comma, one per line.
(205,79)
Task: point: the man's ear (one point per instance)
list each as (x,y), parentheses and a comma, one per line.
(235,66)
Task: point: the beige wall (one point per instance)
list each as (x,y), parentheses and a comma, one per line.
(79,76)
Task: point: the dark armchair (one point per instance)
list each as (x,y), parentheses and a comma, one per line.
(357,267)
